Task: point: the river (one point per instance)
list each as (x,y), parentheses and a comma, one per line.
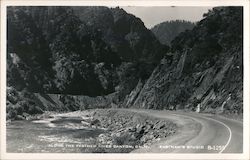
(51,135)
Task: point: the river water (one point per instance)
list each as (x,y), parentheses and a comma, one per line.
(52,135)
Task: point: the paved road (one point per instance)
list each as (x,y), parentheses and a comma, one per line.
(199,133)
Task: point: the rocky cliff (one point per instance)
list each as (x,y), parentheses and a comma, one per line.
(203,71)
(71,58)
(90,51)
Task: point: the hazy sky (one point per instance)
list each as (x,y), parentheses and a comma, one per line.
(155,15)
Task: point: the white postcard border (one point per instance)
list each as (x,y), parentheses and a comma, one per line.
(246,91)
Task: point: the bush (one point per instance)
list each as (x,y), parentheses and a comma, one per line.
(35,110)
(19,109)
(11,113)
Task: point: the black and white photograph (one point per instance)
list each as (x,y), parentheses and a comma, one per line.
(124,79)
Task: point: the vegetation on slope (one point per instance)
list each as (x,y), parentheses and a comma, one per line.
(69,50)
(203,71)
(167,31)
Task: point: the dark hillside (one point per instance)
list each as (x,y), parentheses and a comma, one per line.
(76,50)
(85,51)
(167,31)
(97,57)
(203,71)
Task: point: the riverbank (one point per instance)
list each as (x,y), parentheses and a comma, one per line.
(128,128)
(90,131)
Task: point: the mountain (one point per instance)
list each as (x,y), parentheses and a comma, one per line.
(204,70)
(125,33)
(167,31)
(71,58)
(77,50)
(94,52)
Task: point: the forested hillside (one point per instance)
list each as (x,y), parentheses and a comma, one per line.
(70,58)
(167,31)
(203,71)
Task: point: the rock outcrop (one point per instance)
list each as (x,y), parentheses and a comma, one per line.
(70,58)
(131,129)
(203,70)
(24,104)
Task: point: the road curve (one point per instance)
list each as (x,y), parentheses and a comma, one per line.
(198,133)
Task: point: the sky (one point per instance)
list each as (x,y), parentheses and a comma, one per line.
(155,15)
